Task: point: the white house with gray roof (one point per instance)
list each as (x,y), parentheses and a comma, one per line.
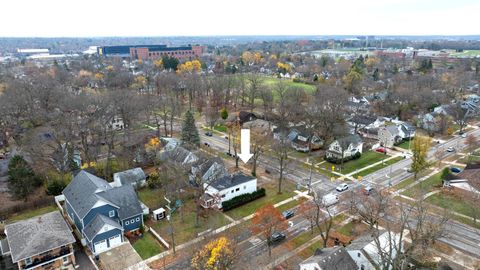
(100,212)
(345,147)
(226,188)
(333,258)
(41,242)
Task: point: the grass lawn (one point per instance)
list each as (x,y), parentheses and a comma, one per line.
(404,145)
(291,204)
(147,246)
(220,128)
(466,159)
(452,201)
(366,159)
(32,213)
(271,197)
(153,198)
(353,229)
(271,81)
(426,186)
(185,228)
(378,167)
(404,183)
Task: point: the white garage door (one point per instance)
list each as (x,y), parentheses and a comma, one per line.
(115,241)
(101,246)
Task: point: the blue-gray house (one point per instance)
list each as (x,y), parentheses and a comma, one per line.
(100,212)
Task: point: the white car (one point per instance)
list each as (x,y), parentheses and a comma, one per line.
(450,149)
(342,187)
(464,135)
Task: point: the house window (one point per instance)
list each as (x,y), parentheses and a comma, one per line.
(362,267)
(232,190)
(359,255)
(138,219)
(127,222)
(244,187)
(65,260)
(28,261)
(111,213)
(237,189)
(132,220)
(223,196)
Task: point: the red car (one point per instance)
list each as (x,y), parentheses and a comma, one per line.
(381,150)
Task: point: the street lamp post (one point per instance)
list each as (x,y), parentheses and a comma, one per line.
(171,233)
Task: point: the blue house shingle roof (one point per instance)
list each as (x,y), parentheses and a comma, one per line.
(97,224)
(80,193)
(125,198)
(86,189)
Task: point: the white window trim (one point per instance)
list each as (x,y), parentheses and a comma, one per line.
(127,222)
(138,219)
(111,213)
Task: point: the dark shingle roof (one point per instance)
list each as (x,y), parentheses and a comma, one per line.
(131,176)
(230,181)
(94,227)
(333,258)
(80,193)
(36,235)
(125,198)
(352,139)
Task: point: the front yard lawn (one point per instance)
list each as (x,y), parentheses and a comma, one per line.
(147,246)
(377,167)
(367,158)
(185,229)
(271,197)
(428,185)
(32,213)
(404,145)
(454,202)
(220,128)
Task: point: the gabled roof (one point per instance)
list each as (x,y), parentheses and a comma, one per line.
(125,198)
(393,130)
(37,235)
(333,258)
(363,119)
(351,139)
(472,174)
(231,181)
(93,228)
(131,176)
(181,155)
(80,193)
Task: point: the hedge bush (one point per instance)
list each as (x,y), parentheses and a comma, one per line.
(339,160)
(242,199)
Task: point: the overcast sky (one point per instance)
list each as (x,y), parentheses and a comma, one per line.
(80,18)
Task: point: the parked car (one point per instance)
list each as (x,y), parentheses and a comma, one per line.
(450,149)
(288,214)
(277,237)
(228,154)
(381,150)
(330,199)
(226,137)
(207,144)
(464,135)
(342,187)
(368,190)
(455,170)
(209,134)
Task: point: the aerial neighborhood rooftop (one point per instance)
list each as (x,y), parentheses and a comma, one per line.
(303,152)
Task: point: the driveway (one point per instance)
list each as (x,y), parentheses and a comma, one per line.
(82,261)
(121,257)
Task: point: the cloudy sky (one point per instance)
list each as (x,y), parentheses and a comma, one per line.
(74,18)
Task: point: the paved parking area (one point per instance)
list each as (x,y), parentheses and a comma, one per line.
(120,258)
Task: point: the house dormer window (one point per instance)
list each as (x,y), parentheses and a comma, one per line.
(111,213)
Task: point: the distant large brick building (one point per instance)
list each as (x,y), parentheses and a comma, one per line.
(150,52)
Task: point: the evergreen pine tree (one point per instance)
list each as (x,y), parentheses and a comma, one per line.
(189,131)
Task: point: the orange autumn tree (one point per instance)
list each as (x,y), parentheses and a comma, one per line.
(266,221)
(216,255)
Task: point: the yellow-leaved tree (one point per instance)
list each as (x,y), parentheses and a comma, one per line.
(420,146)
(189,67)
(216,255)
